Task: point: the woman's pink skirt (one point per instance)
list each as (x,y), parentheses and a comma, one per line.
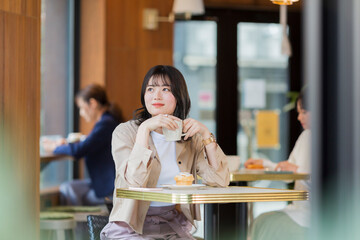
(160,223)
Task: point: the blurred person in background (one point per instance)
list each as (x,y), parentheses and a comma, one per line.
(293,221)
(95,148)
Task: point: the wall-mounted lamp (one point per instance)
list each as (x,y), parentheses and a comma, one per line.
(187,8)
(284,2)
(285,45)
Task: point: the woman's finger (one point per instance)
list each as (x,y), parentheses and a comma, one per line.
(187,124)
(174,118)
(189,134)
(168,122)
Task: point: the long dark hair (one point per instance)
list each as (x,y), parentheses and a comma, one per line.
(302,100)
(98,93)
(173,77)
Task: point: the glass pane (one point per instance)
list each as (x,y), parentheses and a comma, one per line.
(262,85)
(195,57)
(55,83)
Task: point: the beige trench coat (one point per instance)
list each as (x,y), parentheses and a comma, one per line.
(132,170)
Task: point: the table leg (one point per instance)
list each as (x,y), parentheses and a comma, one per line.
(211,221)
(242,214)
(226,221)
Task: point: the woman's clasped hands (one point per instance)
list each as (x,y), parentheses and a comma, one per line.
(190,126)
(160,121)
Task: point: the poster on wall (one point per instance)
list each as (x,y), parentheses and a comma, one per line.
(267,128)
(254,93)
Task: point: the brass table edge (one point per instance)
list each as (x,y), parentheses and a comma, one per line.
(245,177)
(184,198)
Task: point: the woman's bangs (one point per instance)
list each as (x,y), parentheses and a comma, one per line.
(160,80)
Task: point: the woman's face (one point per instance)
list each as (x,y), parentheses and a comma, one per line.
(303,116)
(86,110)
(159,98)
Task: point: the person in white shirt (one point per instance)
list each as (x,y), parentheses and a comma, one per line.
(293,221)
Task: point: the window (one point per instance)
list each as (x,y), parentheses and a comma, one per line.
(195,57)
(261,64)
(56,82)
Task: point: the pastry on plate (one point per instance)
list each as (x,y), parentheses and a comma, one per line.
(184,178)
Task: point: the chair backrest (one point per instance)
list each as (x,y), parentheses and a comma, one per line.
(95,224)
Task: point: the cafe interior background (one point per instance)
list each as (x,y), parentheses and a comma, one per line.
(51,48)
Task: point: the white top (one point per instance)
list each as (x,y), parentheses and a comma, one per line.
(299,211)
(166,151)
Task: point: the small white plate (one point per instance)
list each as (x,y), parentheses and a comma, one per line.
(183,187)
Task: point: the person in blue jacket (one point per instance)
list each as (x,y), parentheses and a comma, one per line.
(96,149)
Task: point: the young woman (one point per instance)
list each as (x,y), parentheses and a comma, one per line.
(293,221)
(143,158)
(96,148)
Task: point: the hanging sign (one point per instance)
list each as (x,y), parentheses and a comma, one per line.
(267,129)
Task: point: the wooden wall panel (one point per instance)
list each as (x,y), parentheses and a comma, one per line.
(162,38)
(92,54)
(92,36)
(13,6)
(3,135)
(151,57)
(131,50)
(122,23)
(121,82)
(32,8)
(122,26)
(229,2)
(19,120)
(25,7)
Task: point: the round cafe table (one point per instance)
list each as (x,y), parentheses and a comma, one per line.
(233,217)
(47,158)
(214,197)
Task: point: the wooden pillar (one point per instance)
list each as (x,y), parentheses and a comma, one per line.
(19,118)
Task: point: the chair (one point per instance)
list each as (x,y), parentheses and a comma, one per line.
(80,216)
(56,224)
(95,224)
(109,203)
(81,212)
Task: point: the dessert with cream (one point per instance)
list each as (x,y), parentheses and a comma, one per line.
(184,178)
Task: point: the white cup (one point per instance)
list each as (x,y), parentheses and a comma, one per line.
(74,137)
(174,135)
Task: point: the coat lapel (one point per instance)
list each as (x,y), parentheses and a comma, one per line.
(180,147)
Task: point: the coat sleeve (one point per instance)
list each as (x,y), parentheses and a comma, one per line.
(131,159)
(96,141)
(210,176)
